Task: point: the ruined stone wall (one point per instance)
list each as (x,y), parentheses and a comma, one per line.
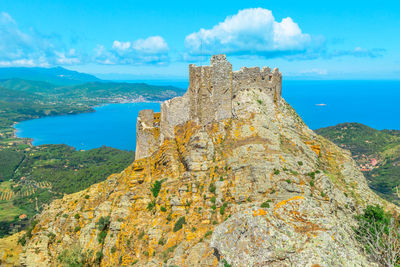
(209,98)
(173,112)
(147,133)
(253,78)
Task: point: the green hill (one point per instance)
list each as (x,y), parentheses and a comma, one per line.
(93,93)
(17,106)
(377,154)
(28,86)
(57,75)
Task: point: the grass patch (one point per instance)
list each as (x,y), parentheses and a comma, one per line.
(155,188)
(179,224)
(265,204)
(212,188)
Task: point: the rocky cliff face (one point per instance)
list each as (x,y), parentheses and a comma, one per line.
(258,188)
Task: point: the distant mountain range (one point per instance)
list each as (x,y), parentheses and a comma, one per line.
(64,84)
(58,75)
(27,93)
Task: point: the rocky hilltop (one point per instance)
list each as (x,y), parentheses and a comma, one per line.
(227,175)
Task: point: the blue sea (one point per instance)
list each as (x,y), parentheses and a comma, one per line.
(319,103)
(111,125)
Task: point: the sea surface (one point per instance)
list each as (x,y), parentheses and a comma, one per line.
(319,103)
(111,125)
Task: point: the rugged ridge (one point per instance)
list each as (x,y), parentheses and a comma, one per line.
(235,177)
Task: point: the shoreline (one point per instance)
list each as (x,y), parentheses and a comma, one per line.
(91,109)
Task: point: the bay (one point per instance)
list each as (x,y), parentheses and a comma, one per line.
(111,125)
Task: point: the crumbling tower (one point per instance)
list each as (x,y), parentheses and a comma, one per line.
(212,90)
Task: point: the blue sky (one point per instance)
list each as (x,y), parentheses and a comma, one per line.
(158,39)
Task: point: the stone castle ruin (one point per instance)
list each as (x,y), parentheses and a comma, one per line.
(212,90)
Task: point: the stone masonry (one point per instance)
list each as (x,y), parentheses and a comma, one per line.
(212,90)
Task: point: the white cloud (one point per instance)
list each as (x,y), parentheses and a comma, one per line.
(250,31)
(67,58)
(20,62)
(121,45)
(151,45)
(151,50)
(18,48)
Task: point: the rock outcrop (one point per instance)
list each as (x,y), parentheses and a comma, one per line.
(227,174)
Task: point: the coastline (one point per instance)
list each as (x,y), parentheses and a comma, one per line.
(90,109)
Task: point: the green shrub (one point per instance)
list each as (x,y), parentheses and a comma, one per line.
(179,224)
(311,174)
(222,210)
(103,225)
(74,257)
(259,101)
(276,172)
(155,189)
(101,236)
(379,233)
(226,264)
(300,163)
(87,197)
(288,181)
(77,216)
(312,183)
(265,204)
(151,205)
(213,199)
(163,209)
(77,229)
(212,188)
(214,207)
(113,249)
